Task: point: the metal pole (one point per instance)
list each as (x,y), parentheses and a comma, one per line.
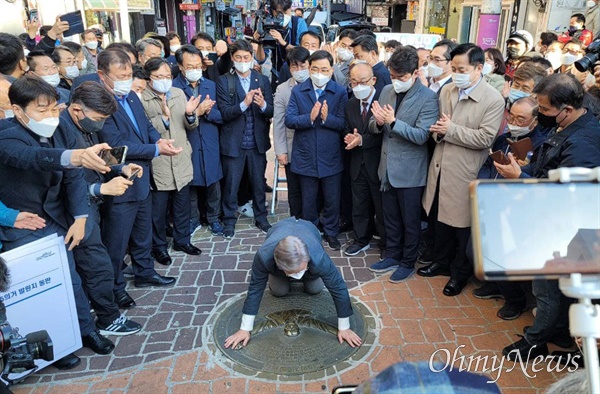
(124,18)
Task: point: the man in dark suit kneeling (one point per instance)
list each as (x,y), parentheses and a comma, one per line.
(293,249)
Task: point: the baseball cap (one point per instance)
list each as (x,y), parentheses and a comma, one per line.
(522,36)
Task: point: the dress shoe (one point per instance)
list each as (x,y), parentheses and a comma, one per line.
(98,343)
(263,226)
(453,287)
(434,269)
(154,280)
(333,242)
(124,300)
(69,361)
(187,249)
(162,257)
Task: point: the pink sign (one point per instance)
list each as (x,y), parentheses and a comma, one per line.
(487,36)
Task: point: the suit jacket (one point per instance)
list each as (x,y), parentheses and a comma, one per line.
(38,183)
(171,172)
(382,74)
(320,265)
(370,151)
(404,150)
(204,139)
(283,137)
(458,156)
(317,145)
(85,78)
(234,121)
(141,148)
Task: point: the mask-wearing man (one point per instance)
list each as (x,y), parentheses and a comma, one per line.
(464,133)
(316,112)
(525,79)
(571,52)
(546,39)
(206,159)
(439,67)
(592,15)
(518,44)
(90,50)
(554,54)
(210,50)
(366,49)
(41,64)
(13,64)
(6,111)
(248,108)
(405,111)
(577,29)
(66,61)
(130,126)
(345,55)
(147,48)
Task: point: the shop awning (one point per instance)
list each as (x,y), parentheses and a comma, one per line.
(113,5)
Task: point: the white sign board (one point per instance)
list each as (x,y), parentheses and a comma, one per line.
(41,294)
(426,41)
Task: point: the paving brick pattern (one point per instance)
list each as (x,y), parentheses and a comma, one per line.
(168,356)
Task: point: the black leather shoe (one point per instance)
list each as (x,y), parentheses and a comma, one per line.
(187,249)
(124,300)
(162,257)
(98,343)
(453,287)
(434,269)
(69,361)
(263,226)
(154,280)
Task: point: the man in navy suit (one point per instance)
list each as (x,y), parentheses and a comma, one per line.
(365,48)
(205,138)
(316,112)
(127,220)
(246,104)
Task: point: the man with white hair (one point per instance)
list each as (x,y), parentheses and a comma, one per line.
(293,250)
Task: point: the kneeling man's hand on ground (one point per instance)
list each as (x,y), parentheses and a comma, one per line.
(242,336)
(350,337)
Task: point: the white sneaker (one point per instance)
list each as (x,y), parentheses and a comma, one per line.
(246,210)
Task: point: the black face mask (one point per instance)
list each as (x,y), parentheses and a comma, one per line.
(91,126)
(548,121)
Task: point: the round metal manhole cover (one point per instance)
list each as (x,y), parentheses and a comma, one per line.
(293,335)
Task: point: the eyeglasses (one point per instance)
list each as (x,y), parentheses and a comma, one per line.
(519,121)
(437,59)
(354,84)
(69,62)
(191,68)
(157,77)
(47,69)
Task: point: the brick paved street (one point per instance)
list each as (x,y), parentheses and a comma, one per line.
(170,356)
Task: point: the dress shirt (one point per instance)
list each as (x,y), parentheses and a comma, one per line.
(436,86)
(245,81)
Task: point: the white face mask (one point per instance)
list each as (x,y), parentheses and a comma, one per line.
(554,58)
(434,71)
(162,85)
(53,79)
(567,59)
(319,79)
(301,75)
(402,86)
(298,275)
(91,45)
(122,88)
(8,113)
(174,48)
(424,71)
(387,56)
(518,131)
(361,92)
(43,128)
(344,54)
(71,72)
(487,68)
(462,81)
(193,75)
(205,54)
(590,3)
(84,64)
(310,51)
(286,19)
(242,67)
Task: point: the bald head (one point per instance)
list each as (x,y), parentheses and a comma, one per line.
(361,70)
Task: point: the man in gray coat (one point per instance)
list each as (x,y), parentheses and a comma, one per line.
(404,113)
(283,137)
(293,250)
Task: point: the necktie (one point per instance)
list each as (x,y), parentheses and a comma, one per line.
(319,93)
(364,112)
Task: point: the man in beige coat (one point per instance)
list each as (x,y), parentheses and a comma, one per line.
(470,114)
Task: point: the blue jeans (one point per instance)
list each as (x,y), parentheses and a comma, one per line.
(551,323)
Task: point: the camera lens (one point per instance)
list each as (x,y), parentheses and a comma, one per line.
(587,62)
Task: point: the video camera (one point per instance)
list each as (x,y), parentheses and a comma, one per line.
(265,22)
(592,54)
(18,352)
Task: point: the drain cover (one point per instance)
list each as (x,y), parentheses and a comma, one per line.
(293,335)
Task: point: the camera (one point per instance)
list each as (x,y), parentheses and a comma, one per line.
(265,22)
(592,53)
(18,352)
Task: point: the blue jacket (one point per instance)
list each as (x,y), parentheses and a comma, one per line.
(320,265)
(33,179)
(205,139)
(141,149)
(8,216)
(381,72)
(317,145)
(85,78)
(234,121)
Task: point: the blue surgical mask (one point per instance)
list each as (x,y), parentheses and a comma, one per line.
(516,94)
(162,85)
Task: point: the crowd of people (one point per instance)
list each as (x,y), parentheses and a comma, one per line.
(379,138)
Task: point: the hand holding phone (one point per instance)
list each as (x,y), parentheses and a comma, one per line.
(499,157)
(133,175)
(115,156)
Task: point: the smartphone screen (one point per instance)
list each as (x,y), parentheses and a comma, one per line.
(114,156)
(212,56)
(33,15)
(536,229)
(133,175)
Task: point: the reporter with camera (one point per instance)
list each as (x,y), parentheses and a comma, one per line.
(574,142)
